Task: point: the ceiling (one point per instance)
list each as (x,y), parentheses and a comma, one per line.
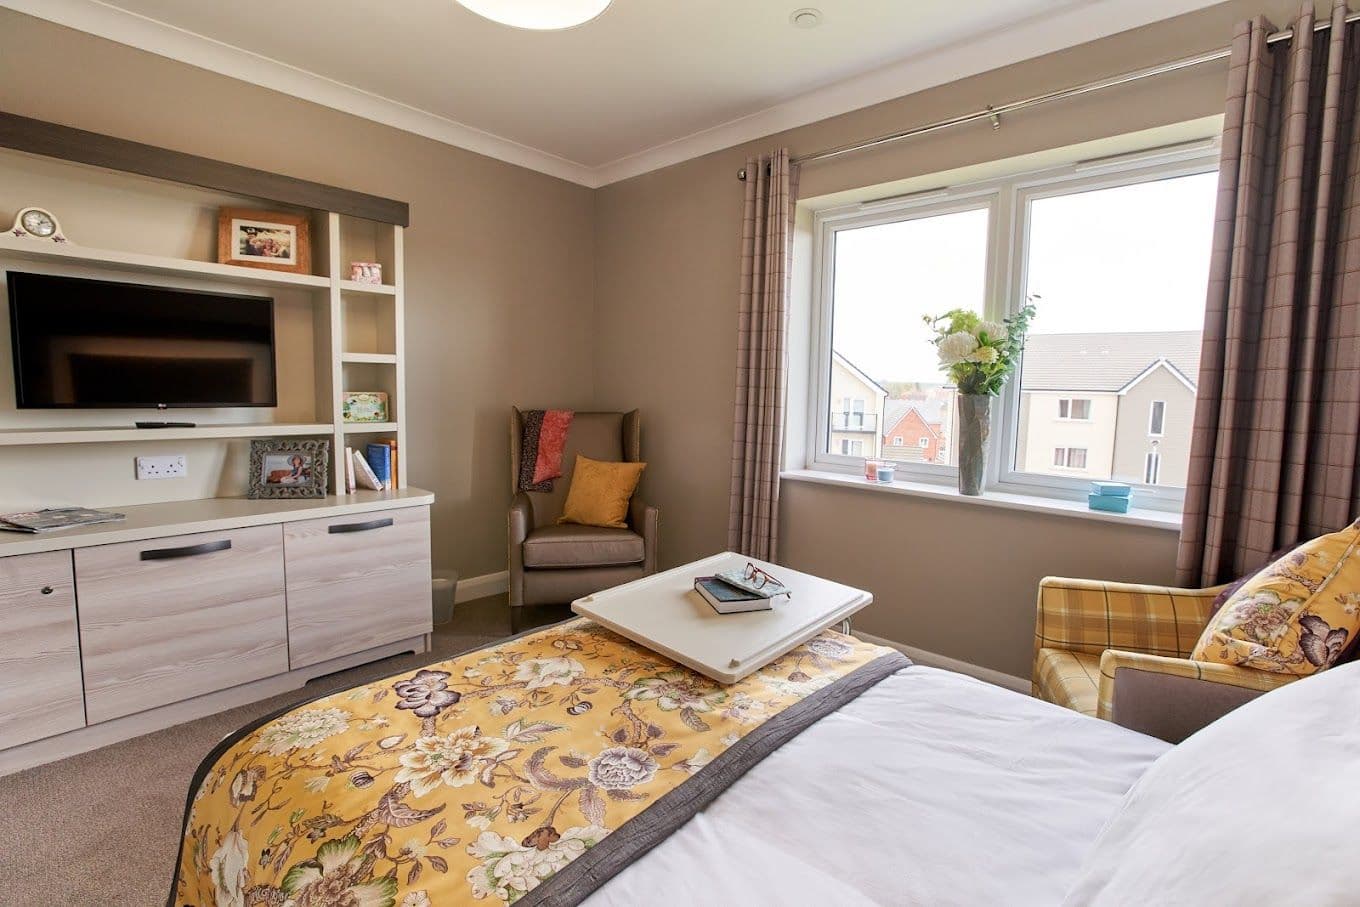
(648,83)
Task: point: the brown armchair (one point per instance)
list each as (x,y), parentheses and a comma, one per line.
(552,564)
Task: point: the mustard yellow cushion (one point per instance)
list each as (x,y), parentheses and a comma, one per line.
(1297,616)
(600,493)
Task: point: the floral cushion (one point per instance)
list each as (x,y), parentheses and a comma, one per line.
(1297,616)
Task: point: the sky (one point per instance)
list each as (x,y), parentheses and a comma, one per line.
(1133,258)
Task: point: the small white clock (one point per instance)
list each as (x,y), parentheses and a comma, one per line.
(37,223)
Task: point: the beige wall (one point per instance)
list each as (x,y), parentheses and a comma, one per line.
(499,260)
(666,270)
(1043,431)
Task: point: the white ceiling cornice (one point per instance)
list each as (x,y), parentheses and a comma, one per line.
(1021,41)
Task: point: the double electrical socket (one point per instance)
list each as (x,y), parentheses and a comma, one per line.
(171,466)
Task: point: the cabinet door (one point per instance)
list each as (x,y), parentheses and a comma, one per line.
(355,582)
(40,693)
(172,618)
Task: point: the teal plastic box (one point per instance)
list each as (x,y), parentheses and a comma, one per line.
(1108,502)
(1111,489)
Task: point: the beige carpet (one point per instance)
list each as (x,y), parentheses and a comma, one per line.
(102,828)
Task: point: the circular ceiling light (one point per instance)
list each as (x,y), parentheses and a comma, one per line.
(540,15)
(807,17)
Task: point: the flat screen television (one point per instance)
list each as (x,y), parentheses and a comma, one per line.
(101,344)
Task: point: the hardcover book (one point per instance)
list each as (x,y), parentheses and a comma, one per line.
(726,599)
(379,456)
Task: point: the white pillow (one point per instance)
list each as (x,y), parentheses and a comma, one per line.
(1260,807)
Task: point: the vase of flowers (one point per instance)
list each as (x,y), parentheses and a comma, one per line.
(978,356)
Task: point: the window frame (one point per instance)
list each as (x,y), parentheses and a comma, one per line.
(826,224)
(1152,419)
(1007,201)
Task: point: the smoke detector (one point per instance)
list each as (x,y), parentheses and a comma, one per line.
(807,17)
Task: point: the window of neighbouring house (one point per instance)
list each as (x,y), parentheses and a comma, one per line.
(1157,418)
(1070,409)
(1069,457)
(1152,468)
(884,274)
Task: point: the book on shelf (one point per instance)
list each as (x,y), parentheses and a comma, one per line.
(728,599)
(363,473)
(56,518)
(379,456)
(350,487)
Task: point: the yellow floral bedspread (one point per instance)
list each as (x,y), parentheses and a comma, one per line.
(476,778)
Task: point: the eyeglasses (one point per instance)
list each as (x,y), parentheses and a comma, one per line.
(759,578)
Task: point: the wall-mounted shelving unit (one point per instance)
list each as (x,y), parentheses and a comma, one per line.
(333,335)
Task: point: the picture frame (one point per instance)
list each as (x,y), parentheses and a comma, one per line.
(264,239)
(288,469)
(364,406)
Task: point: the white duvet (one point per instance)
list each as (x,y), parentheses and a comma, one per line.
(931,788)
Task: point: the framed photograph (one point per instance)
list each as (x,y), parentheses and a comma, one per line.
(288,469)
(264,239)
(364,406)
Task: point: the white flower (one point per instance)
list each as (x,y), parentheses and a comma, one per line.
(454,760)
(300,729)
(509,869)
(542,672)
(479,822)
(957,347)
(994,330)
(229,870)
(622,767)
(416,899)
(985,355)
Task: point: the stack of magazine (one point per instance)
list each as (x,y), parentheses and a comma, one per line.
(56,518)
(733,593)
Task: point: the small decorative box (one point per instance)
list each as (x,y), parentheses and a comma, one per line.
(365,272)
(1111,489)
(365,406)
(1108,502)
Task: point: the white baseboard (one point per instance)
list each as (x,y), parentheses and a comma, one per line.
(475,587)
(931,659)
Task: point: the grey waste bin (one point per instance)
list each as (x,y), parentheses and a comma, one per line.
(441,595)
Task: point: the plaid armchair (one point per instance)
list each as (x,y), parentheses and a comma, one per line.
(1120,652)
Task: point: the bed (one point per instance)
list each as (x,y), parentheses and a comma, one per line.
(571,766)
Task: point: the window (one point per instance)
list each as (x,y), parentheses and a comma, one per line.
(1114,253)
(1157,418)
(1152,468)
(883,272)
(852,448)
(1069,457)
(1071,409)
(923,443)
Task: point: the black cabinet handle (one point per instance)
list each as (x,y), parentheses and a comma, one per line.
(360,527)
(47,590)
(165,554)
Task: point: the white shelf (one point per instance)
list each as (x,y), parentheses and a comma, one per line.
(376,289)
(371,358)
(13,437)
(36,250)
(364,428)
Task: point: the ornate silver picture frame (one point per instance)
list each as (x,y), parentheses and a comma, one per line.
(288,469)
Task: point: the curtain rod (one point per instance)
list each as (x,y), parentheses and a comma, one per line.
(993,113)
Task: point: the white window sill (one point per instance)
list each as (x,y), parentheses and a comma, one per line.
(1153,519)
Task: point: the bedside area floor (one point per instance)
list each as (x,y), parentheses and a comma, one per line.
(110,817)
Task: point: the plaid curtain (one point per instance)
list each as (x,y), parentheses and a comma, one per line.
(762,355)
(1274,453)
